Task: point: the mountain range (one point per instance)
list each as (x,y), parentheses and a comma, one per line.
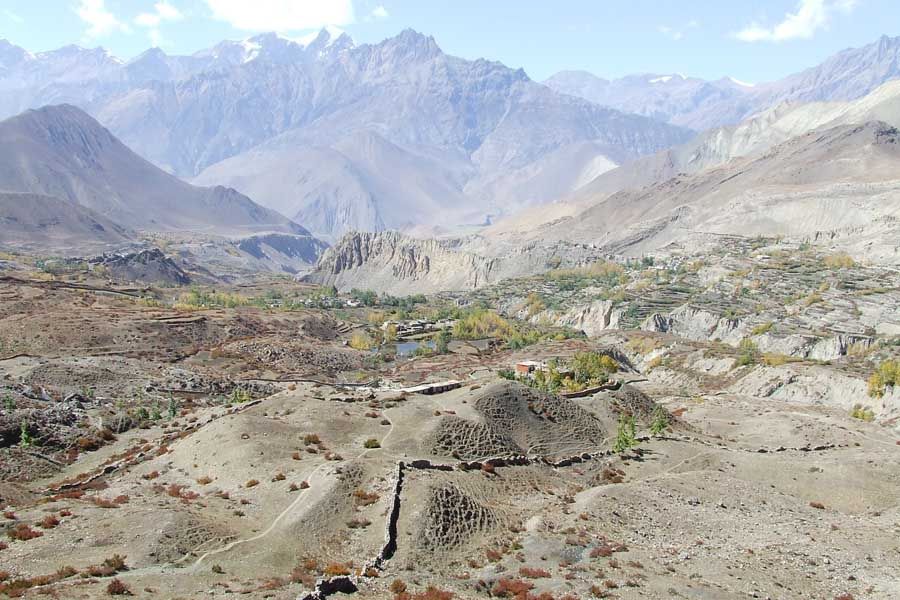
(340,137)
(345,137)
(822,173)
(701,105)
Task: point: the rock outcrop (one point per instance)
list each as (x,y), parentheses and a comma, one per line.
(148,266)
(389,261)
(593,319)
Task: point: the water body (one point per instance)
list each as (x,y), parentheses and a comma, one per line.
(409,348)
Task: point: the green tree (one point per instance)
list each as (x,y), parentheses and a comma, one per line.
(749,354)
(591,367)
(442,342)
(625,434)
(660,420)
(25,438)
(172,409)
(9,403)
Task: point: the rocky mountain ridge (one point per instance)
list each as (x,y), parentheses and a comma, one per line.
(60,151)
(701,105)
(387,126)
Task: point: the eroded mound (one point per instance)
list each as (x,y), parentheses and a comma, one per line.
(519,420)
(453,517)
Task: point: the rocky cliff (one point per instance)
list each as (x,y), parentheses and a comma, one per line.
(389,261)
(394,263)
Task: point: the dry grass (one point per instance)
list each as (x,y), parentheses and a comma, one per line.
(364,498)
(336,569)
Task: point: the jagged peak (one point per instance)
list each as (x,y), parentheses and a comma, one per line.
(414,41)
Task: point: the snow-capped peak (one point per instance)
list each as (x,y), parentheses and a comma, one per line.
(666,78)
(251,50)
(741,83)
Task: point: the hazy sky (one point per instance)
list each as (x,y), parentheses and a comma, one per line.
(751,41)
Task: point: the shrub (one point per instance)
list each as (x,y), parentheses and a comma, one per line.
(776,360)
(312,439)
(49,522)
(748,353)
(205,480)
(103,502)
(482,324)
(397,586)
(364,498)
(433,593)
(218,570)
(660,420)
(813,298)
(251,483)
(358,523)
(530,573)
(372,443)
(336,569)
(304,485)
(116,562)
(511,588)
(100,571)
(507,374)
(22,533)
(862,413)
(361,341)
(840,260)
(625,434)
(887,374)
(762,328)
(117,588)
(817,505)
(591,367)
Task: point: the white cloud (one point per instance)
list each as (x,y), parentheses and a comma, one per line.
(162,11)
(380,12)
(282,15)
(13,17)
(809,17)
(677,33)
(100,21)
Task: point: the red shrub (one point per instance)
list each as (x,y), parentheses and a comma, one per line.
(23,533)
(530,573)
(117,588)
(510,588)
(49,522)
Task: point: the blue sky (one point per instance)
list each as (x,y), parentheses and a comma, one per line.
(751,41)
